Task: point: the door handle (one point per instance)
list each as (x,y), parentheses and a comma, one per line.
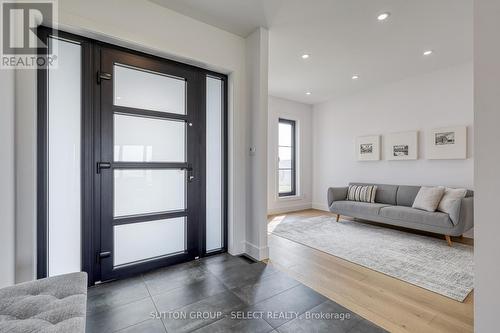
(103,165)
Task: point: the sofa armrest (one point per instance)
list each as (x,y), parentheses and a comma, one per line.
(462,213)
(337,194)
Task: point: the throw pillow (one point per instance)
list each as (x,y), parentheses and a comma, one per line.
(363,193)
(428,198)
(450,196)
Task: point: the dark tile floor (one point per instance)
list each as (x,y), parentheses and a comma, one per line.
(216,294)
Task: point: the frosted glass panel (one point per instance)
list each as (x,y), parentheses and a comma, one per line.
(64,133)
(214,164)
(142,89)
(138,191)
(141,139)
(146,240)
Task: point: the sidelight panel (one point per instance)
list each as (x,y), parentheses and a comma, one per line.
(64,159)
(214,158)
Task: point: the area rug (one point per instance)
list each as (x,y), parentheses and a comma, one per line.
(420,260)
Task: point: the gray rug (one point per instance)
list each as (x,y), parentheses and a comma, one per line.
(423,261)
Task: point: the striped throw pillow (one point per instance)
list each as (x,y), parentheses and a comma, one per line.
(364,193)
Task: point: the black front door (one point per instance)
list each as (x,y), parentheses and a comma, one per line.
(151,155)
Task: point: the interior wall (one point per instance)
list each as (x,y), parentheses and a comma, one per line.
(439,99)
(487,161)
(143,26)
(257,58)
(302,114)
(7,174)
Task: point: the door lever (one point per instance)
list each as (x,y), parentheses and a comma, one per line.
(103,165)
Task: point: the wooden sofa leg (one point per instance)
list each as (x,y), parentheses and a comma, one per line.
(338,217)
(448,240)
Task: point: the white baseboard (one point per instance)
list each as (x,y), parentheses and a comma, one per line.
(258,253)
(320,206)
(237,250)
(288,209)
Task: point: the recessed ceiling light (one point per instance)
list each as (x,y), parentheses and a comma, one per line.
(428,52)
(305,56)
(308,93)
(383,16)
(355,77)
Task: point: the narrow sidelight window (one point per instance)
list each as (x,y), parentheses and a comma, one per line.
(63,164)
(286,158)
(214,163)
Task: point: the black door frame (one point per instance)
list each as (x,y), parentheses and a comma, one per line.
(91,154)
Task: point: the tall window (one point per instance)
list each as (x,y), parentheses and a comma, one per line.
(286,158)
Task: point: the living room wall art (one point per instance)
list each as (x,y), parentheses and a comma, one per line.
(401,146)
(368,148)
(447,143)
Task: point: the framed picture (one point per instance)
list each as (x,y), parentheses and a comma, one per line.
(368,148)
(401,146)
(447,143)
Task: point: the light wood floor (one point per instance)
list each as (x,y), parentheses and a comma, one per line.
(390,303)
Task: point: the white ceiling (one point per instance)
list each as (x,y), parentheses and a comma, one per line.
(343,38)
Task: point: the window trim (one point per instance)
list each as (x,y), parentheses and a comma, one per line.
(293,168)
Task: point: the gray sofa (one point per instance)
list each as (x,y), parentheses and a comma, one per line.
(52,305)
(393,206)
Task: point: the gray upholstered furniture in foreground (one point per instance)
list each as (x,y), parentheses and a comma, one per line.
(55,304)
(393,206)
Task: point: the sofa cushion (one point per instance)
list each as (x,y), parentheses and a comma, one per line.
(406,195)
(428,198)
(386,194)
(55,304)
(356,207)
(363,193)
(451,195)
(402,213)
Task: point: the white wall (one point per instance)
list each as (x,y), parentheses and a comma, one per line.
(257,58)
(486,178)
(145,26)
(439,99)
(7,174)
(302,114)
